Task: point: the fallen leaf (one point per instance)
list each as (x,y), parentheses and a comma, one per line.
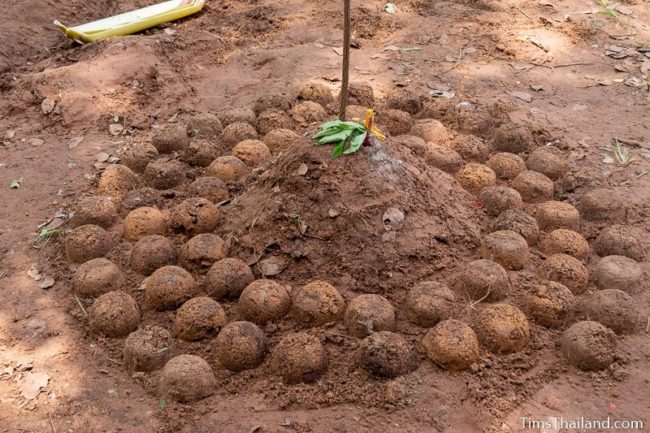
(273,266)
(102,157)
(338,51)
(46,283)
(10,133)
(15,184)
(34,272)
(537,87)
(170,31)
(302,169)
(33,385)
(333,213)
(115,129)
(318,45)
(390,8)
(442,93)
(74,142)
(526,97)
(47,106)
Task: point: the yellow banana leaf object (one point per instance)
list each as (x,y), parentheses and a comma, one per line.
(132,22)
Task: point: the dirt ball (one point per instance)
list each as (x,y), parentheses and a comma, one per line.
(452,345)
(548,161)
(238,131)
(502,328)
(228,168)
(612,308)
(603,204)
(428,303)
(474,177)
(274,118)
(553,215)
(618,272)
(279,139)
(395,121)
(442,158)
(201,153)
(506,165)
(116,180)
(147,349)
(385,354)
(187,378)
(264,301)
(164,173)
(138,155)
(498,199)
(316,304)
(194,215)
(96,277)
(369,313)
(114,314)
(534,187)
(299,357)
(199,318)
(144,221)
(242,114)
(140,197)
(227,278)
(316,92)
(97,210)
(416,145)
(589,345)
(505,247)
(209,187)
(168,287)
(565,241)
(566,270)
(240,346)
(203,250)
(204,125)
(549,303)
(471,148)
(152,252)
(252,152)
(272,100)
(170,137)
(518,221)
(307,112)
(513,138)
(361,94)
(484,279)
(621,240)
(430,130)
(403,99)
(87,242)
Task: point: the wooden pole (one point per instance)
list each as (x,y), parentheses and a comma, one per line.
(343,100)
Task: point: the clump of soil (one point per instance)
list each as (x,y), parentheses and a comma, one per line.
(564,241)
(369,313)
(240,346)
(194,215)
(428,303)
(612,308)
(97,210)
(618,272)
(498,199)
(227,278)
(316,304)
(204,125)
(187,378)
(116,181)
(279,139)
(228,168)
(430,130)
(164,173)
(471,147)
(140,197)
(209,187)
(603,204)
(443,158)
(549,303)
(138,155)
(201,153)
(363,95)
(621,240)
(252,152)
(152,252)
(264,301)
(589,345)
(534,187)
(203,250)
(396,122)
(402,99)
(233,115)
(474,177)
(144,221)
(114,314)
(553,215)
(96,277)
(385,354)
(548,161)
(170,137)
(566,270)
(87,242)
(199,318)
(506,165)
(513,138)
(505,247)
(316,92)
(307,112)
(502,328)
(485,279)
(238,131)
(299,357)
(452,345)
(272,100)
(416,145)
(518,221)
(168,287)
(273,118)
(147,349)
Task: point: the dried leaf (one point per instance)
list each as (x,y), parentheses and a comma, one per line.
(33,385)
(46,283)
(526,97)
(390,8)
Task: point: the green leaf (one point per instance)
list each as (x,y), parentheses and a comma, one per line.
(162,403)
(15,184)
(355,144)
(343,135)
(338,149)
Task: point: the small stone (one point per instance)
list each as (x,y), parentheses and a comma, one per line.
(115,129)
(273,266)
(393,219)
(47,106)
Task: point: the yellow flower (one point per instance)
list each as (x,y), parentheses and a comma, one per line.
(369,123)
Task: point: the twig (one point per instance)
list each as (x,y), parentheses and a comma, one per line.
(115,361)
(525,14)
(51,423)
(346,60)
(565,65)
(630,142)
(460,56)
(83,310)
